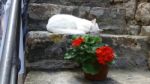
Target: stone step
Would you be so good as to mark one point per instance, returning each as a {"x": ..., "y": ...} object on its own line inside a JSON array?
[
  {"x": 145, "y": 30},
  {"x": 51, "y": 65},
  {"x": 77, "y": 77},
  {"x": 103, "y": 3},
  {"x": 112, "y": 20},
  {"x": 45, "y": 50}
]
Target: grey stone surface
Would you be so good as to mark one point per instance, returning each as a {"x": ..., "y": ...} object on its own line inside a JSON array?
[
  {"x": 134, "y": 29},
  {"x": 130, "y": 6},
  {"x": 101, "y": 3},
  {"x": 142, "y": 13},
  {"x": 112, "y": 15},
  {"x": 143, "y": 0},
  {"x": 50, "y": 64},
  {"x": 149, "y": 58},
  {"x": 112, "y": 20},
  {"x": 131, "y": 50},
  {"x": 118, "y": 1},
  {"x": 43, "y": 11},
  {"x": 77, "y": 77},
  {"x": 44, "y": 45},
  {"x": 145, "y": 31},
  {"x": 132, "y": 22}
]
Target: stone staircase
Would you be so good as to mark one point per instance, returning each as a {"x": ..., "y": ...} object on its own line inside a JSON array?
[
  {"x": 124, "y": 30},
  {"x": 113, "y": 22}
]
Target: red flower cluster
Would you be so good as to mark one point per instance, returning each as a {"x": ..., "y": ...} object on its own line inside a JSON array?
[
  {"x": 77, "y": 42},
  {"x": 105, "y": 54}
]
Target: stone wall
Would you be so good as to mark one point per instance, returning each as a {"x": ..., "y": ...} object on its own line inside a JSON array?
[
  {"x": 127, "y": 20},
  {"x": 114, "y": 20},
  {"x": 114, "y": 16}
]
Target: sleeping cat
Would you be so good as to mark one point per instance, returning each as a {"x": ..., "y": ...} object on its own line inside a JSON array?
[{"x": 68, "y": 24}]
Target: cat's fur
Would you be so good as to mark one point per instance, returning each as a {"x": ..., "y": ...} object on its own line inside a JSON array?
[{"x": 68, "y": 24}]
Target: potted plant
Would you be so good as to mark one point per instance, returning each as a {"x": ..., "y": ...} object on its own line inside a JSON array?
[{"x": 93, "y": 56}]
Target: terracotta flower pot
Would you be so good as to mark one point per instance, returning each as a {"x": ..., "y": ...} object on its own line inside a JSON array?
[{"x": 101, "y": 75}]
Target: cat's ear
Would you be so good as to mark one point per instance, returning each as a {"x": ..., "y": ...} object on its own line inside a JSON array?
[{"x": 94, "y": 21}]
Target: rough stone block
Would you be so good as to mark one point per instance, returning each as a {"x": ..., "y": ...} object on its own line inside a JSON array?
[
  {"x": 35, "y": 25},
  {"x": 83, "y": 11},
  {"x": 131, "y": 50},
  {"x": 43, "y": 11},
  {"x": 110, "y": 18},
  {"x": 134, "y": 29},
  {"x": 73, "y": 10},
  {"x": 130, "y": 6},
  {"x": 145, "y": 31},
  {"x": 132, "y": 22},
  {"x": 143, "y": 14}
]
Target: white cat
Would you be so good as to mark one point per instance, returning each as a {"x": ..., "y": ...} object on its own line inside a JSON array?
[{"x": 68, "y": 24}]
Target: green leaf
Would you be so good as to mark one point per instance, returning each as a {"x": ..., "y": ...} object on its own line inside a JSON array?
[
  {"x": 94, "y": 49},
  {"x": 86, "y": 38},
  {"x": 69, "y": 56},
  {"x": 96, "y": 39},
  {"x": 90, "y": 68},
  {"x": 100, "y": 44},
  {"x": 74, "y": 36}
]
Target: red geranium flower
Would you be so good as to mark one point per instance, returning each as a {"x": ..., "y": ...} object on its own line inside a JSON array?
[
  {"x": 105, "y": 54},
  {"x": 77, "y": 42}
]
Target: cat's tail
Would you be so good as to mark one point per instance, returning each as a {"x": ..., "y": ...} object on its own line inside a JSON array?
[{"x": 65, "y": 31}]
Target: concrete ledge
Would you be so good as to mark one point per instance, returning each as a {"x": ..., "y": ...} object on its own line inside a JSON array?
[{"x": 77, "y": 77}]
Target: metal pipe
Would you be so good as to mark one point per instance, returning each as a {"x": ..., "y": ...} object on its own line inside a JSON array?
[
  {"x": 15, "y": 62},
  {"x": 14, "y": 74},
  {"x": 15, "y": 59},
  {"x": 9, "y": 41}
]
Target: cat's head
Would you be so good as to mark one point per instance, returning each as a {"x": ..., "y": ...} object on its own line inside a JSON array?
[{"x": 95, "y": 27}]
